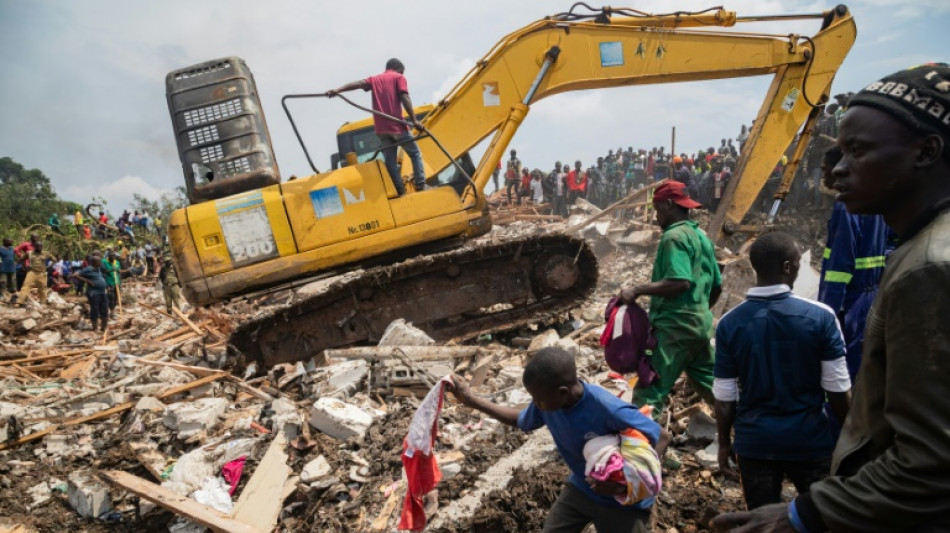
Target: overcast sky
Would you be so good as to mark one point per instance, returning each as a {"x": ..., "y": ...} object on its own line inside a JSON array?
[{"x": 82, "y": 89}]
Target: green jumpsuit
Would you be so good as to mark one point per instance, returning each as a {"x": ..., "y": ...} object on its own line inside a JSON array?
[{"x": 683, "y": 324}]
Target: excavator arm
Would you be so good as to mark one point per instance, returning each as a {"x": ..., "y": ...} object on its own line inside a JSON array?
[{"x": 617, "y": 48}]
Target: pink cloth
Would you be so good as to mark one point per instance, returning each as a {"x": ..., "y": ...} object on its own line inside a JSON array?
[
  {"x": 612, "y": 471},
  {"x": 387, "y": 88},
  {"x": 232, "y": 473}
]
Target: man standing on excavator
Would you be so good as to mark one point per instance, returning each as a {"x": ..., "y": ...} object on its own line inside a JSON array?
[{"x": 390, "y": 89}]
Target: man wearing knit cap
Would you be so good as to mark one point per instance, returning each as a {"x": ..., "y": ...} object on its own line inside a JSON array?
[
  {"x": 684, "y": 285},
  {"x": 891, "y": 466}
]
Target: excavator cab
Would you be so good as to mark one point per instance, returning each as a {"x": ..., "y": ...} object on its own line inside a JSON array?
[{"x": 359, "y": 138}]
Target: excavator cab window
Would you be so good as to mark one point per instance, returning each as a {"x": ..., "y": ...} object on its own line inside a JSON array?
[{"x": 360, "y": 138}]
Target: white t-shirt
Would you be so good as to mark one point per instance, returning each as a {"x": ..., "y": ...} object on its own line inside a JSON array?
[{"x": 537, "y": 192}]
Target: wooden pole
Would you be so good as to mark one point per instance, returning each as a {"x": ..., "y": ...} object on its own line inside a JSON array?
[{"x": 616, "y": 205}]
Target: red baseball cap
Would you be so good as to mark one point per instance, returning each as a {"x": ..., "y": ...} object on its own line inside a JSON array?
[{"x": 676, "y": 191}]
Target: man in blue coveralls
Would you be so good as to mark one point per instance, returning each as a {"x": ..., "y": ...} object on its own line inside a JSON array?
[{"x": 852, "y": 266}]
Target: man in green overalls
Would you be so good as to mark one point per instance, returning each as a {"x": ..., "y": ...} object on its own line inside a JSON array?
[{"x": 685, "y": 284}]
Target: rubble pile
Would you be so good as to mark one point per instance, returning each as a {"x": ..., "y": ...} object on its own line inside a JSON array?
[{"x": 154, "y": 425}]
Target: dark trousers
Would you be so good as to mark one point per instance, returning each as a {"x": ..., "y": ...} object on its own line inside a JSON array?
[
  {"x": 512, "y": 185},
  {"x": 113, "y": 296},
  {"x": 98, "y": 305},
  {"x": 573, "y": 511},
  {"x": 762, "y": 478},
  {"x": 8, "y": 280}
]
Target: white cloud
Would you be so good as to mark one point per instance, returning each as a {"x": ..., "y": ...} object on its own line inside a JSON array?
[
  {"x": 458, "y": 68},
  {"x": 118, "y": 194}
]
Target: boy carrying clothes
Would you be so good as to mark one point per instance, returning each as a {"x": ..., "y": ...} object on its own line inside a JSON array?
[
  {"x": 576, "y": 413},
  {"x": 95, "y": 292}
]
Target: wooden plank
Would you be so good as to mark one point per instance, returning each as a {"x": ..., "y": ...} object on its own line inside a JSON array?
[
  {"x": 27, "y": 373},
  {"x": 180, "y": 505},
  {"x": 200, "y": 371},
  {"x": 381, "y": 523},
  {"x": 415, "y": 353},
  {"x": 28, "y": 360},
  {"x": 196, "y": 370},
  {"x": 188, "y": 322},
  {"x": 171, "y": 334},
  {"x": 614, "y": 206},
  {"x": 108, "y": 412},
  {"x": 78, "y": 369},
  {"x": 262, "y": 498}
]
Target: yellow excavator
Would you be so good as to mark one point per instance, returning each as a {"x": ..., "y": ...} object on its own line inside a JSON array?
[{"x": 246, "y": 231}]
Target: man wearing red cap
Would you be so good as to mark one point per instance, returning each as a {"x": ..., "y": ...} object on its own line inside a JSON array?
[{"x": 685, "y": 284}]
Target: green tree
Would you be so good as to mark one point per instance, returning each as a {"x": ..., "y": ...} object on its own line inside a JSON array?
[{"x": 27, "y": 197}]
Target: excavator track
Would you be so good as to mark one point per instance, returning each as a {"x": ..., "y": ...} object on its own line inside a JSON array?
[{"x": 461, "y": 293}]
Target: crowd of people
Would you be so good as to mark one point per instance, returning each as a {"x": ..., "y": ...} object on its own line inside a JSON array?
[
  {"x": 620, "y": 172},
  {"x": 104, "y": 226},
  {"x": 98, "y": 275}
]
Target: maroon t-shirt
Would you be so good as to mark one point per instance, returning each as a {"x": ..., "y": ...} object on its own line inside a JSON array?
[{"x": 386, "y": 88}]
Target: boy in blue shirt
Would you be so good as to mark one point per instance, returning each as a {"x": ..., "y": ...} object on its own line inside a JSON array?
[
  {"x": 95, "y": 292},
  {"x": 574, "y": 413},
  {"x": 777, "y": 357}
]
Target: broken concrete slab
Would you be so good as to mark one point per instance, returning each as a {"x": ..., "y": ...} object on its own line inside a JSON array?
[
  {"x": 150, "y": 403},
  {"x": 49, "y": 338},
  {"x": 341, "y": 420},
  {"x": 27, "y": 324},
  {"x": 644, "y": 240},
  {"x": 517, "y": 398},
  {"x": 286, "y": 417},
  {"x": 87, "y": 495},
  {"x": 544, "y": 340},
  {"x": 708, "y": 458},
  {"x": 701, "y": 426},
  {"x": 59, "y": 444},
  {"x": 315, "y": 470},
  {"x": 190, "y": 418},
  {"x": 402, "y": 333},
  {"x": 569, "y": 346},
  {"x": 346, "y": 377}
]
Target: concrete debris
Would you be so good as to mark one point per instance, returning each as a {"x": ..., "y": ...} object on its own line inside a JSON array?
[
  {"x": 345, "y": 377},
  {"x": 87, "y": 495},
  {"x": 27, "y": 324},
  {"x": 49, "y": 338},
  {"x": 341, "y": 420},
  {"x": 149, "y": 403},
  {"x": 286, "y": 417},
  {"x": 643, "y": 240},
  {"x": 402, "y": 333},
  {"x": 545, "y": 340},
  {"x": 701, "y": 426},
  {"x": 708, "y": 457},
  {"x": 315, "y": 470},
  {"x": 190, "y": 418}
]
